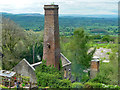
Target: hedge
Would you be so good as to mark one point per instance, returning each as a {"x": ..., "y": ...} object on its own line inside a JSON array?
[{"x": 100, "y": 85}]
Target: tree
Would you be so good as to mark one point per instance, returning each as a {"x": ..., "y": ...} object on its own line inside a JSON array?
[
  {"x": 18, "y": 44},
  {"x": 77, "y": 52},
  {"x": 34, "y": 46},
  {"x": 12, "y": 34},
  {"x": 106, "y": 38}
]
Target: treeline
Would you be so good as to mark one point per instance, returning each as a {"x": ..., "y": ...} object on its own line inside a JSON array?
[
  {"x": 68, "y": 24},
  {"x": 103, "y": 38}
]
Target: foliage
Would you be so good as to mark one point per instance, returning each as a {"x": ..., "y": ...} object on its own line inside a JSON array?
[
  {"x": 100, "y": 85},
  {"x": 67, "y": 23},
  {"x": 12, "y": 34},
  {"x": 102, "y": 51},
  {"x": 77, "y": 85},
  {"x": 18, "y": 44},
  {"x": 25, "y": 79},
  {"x": 34, "y": 47},
  {"x": 1, "y": 86},
  {"x": 23, "y": 85},
  {"x": 108, "y": 71},
  {"x": 106, "y": 38},
  {"x": 60, "y": 64},
  {"x": 65, "y": 83},
  {"x": 75, "y": 48},
  {"x": 85, "y": 77},
  {"x": 52, "y": 3},
  {"x": 108, "y": 53},
  {"x": 49, "y": 76}
]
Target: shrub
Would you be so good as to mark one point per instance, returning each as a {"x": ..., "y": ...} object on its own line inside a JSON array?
[
  {"x": 1, "y": 86},
  {"x": 102, "y": 51},
  {"x": 25, "y": 79},
  {"x": 104, "y": 58},
  {"x": 92, "y": 85},
  {"x": 49, "y": 76},
  {"x": 98, "y": 47},
  {"x": 23, "y": 85},
  {"x": 65, "y": 83},
  {"x": 108, "y": 53},
  {"x": 52, "y": 81},
  {"x": 85, "y": 77},
  {"x": 77, "y": 85},
  {"x": 104, "y": 46},
  {"x": 100, "y": 85}
]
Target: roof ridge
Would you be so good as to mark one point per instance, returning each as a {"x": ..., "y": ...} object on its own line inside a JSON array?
[
  {"x": 36, "y": 63},
  {"x": 29, "y": 64}
]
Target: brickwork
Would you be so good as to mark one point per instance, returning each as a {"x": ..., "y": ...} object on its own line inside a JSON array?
[
  {"x": 51, "y": 49},
  {"x": 94, "y": 68},
  {"x": 95, "y": 65}
]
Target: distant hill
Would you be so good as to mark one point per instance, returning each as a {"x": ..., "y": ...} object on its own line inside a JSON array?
[
  {"x": 24, "y": 14},
  {"x": 67, "y": 23},
  {"x": 95, "y": 16}
]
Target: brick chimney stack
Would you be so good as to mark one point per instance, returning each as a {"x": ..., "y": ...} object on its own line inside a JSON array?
[
  {"x": 51, "y": 49},
  {"x": 94, "y": 68}
]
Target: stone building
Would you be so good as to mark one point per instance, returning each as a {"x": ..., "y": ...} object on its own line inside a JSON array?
[{"x": 27, "y": 69}]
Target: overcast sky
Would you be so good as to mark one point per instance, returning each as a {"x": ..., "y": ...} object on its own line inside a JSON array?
[{"x": 83, "y": 7}]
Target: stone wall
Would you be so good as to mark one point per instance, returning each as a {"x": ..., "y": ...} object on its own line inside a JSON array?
[
  {"x": 25, "y": 69},
  {"x": 66, "y": 66}
]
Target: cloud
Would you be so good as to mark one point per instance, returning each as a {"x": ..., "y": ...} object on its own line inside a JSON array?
[{"x": 66, "y": 6}]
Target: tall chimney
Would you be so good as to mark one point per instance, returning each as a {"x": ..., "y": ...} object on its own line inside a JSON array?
[
  {"x": 51, "y": 49},
  {"x": 94, "y": 68}
]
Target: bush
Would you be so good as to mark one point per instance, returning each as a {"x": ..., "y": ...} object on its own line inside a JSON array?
[
  {"x": 108, "y": 53},
  {"x": 23, "y": 85},
  {"x": 65, "y": 83},
  {"x": 52, "y": 81},
  {"x": 92, "y": 85},
  {"x": 102, "y": 51},
  {"x": 77, "y": 85},
  {"x": 104, "y": 46},
  {"x": 85, "y": 77},
  {"x": 25, "y": 79},
  {"x": 1, "y": 86},
  {"x": 98, "y": 47},
  {"x": 49, "y": 76},
  {"x": 44, "y": 79},
  {"x": 100, "y": 85}
]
